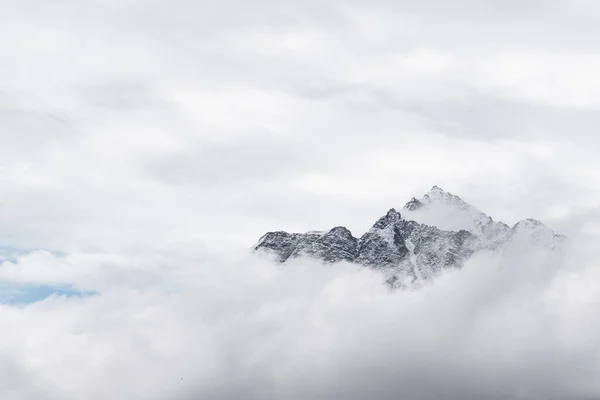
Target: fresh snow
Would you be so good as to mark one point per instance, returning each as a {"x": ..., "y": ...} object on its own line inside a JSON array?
[
  {"x": 436, "y": 232},
  {"x": 413, "y": 259}
]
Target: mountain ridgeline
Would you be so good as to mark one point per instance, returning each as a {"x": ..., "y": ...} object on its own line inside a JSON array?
[{"x": 448, "y": 233}]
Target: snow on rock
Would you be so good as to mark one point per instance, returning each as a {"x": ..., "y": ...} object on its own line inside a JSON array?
[
  {"x": 436, "y": 232},
  {"x": 531, "y": 231},
  {"x": 383, "y": 245},
  {"x": 336, "y": 245},
  {"x": 449, "y": 212}
]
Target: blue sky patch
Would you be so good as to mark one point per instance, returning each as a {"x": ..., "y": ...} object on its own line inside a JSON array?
[{"x": 15, "y": 294}]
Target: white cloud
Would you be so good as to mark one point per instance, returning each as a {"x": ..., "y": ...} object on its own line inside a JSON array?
[
  {"x": 139, "y": 138},
  {"x": 566, "y": 79},
  {"x": 240, "y": 326},
  {"x": 147, "y": 124}
]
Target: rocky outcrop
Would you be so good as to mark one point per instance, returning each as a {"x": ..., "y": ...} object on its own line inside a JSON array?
[{"x": 408, "y": 248}]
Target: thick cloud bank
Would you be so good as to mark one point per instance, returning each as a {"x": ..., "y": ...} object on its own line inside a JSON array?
[
  {"x": 239, "y": 326},
  {"x": 137, "y": 137}
]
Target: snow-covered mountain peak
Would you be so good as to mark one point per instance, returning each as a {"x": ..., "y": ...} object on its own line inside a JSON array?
[
  {"x": 448, "y": 211},
  {"x": 535, "y": 232},
  {"x": 530, "y": 223},
  {"x": 392, "y": 212},
  {"x": 436, "y": 232},
  {"x": 392, "y": 217},
  {"x": 340, "y": 231},
  {"x": 438, "y": 195}
]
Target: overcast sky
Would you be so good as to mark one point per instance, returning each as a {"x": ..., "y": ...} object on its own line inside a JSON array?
[
  {"x": 129, "y": 122},
  {"x": 138, "y": 138}
]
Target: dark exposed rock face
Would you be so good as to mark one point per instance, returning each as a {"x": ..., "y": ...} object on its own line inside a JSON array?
[
  {"x": 413, "y": 204},
  {"x": 406, "y": 248},
  {"x": 336, "y": 245},
  {"x": 284, "y": 244},
  {"x": 384, "y": 245},
  {"x": 436, "y": 250}
]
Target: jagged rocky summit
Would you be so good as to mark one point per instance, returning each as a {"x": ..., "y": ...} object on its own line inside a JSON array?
[{"x": 436, "y": 232}]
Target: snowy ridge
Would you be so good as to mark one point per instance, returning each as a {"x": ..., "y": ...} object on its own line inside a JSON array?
[
  {"x": 450, "y": 212},
  {"x": 533, "y": 231},
  {"x": 435, "y": 232}
]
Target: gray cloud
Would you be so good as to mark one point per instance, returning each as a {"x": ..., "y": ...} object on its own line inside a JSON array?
[
  {"x": 122, "y": 96},
  {"x": 245, "y": 162}
]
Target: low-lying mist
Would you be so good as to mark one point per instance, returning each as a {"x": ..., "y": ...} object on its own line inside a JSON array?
[{"x": 520, "y": 326}]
